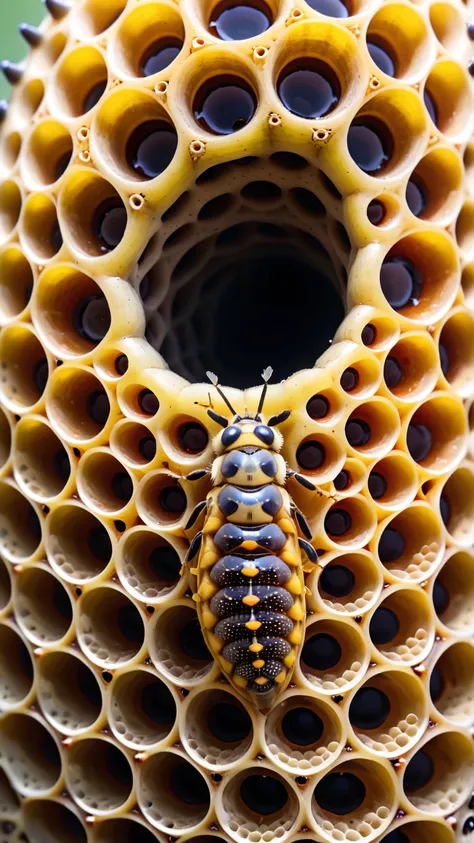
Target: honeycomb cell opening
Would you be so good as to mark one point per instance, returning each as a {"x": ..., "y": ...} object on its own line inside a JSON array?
[
  {"x": 41, "y": 463},
  {"x": 30, "y": 754},
  {"x": 142, "y": 709},
  {"x": 177, "y": 646},
  {"x": 16, "y": 668},
  {"x": 197, "y": 279},
  {"x": 438, "y": 776},
  {"x": 389, "y": 713},
  {"x": 68, "y": 692},
  {"x": 218, "y": 730},
  {"x": 172, "y": 793},
  {"x": 303, "y": 734},
  {"x": 78, "y": 545},
  {"x": 125, "y": 830},
  {"x": 110, "y": 628},
  {"x": 452, "y": 683},
  {"x": 44, "y": 609},
  {"x": 51, "y": 820},
  {"x": 402, "y": 627},
  {"x": 20, "y": 527},
  {"x": 366, "y": 806},
  {"x": 5, "y": 586},
  {"x": 258, "y": 804},
  {"x": 457, "y": 579},
  {"x": 99, "y": 775},
  {"x": 149, "y": 564},
  {"x": 16, "y": 283}
]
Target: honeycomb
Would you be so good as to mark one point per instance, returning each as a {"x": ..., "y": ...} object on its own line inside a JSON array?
[{"x": 187, "y": 186}]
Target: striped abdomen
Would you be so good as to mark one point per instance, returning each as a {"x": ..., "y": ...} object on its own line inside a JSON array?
[{"x": 253, "y": 605}]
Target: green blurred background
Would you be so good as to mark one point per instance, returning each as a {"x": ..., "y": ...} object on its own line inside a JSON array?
[{"x": 12, "y": 46}]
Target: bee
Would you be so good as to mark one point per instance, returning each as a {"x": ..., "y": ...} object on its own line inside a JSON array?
[{"x": 252, "y": 553}]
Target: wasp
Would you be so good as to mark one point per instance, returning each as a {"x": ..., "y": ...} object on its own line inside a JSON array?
[{"x": 252, "y": 553}]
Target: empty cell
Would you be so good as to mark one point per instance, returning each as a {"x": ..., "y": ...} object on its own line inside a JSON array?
[
  {"x": 24, "y": 368},
  {"x": 172, "y": 793},
  {"x": 224, "y": 104},
  {"x": 81, "y": 79},
  {"x": 387, "y": 133},
  {"x": 50, "y": 149},
  {"x": 451, "y": 683},
  {"x": 139, "y": 401},
  {"x": 349, "y": 583},
  {"x": 93, "y": 214},
  {"x": 162, "y": 500},
  {"x": 453, "y": 590},
  {"x": 217, "y": 730},
  {"x": 177, "y": 646},
  {"x": 95, "y": 17},
  {"x": 53, "y": 822},
  {"x": 144, "y": 140},
  {"x": 20, "y": 525},
  {"x": 389, "y": 713},
  {"x": 110, "y": 627},
  {"x": 40, "y": 228},
  {"x": 16, "y": 282},
  {"x": 125, "y": 830},
  {"x": 303, "y": 734},
  {"x": 393, "y": 481},
  {"x": 258, "y": 797},
  {"x": 32, "y": 759},
  {"x": 433, "y": 191},
  {"x": 69, "y": 692},
  {"x": 456, "y": 351},
  {"x": 356, "y": 794},
  {"x": 43, "y": 606},
  {"x": 147, "y": 40},
  {"x": 133, "y": 443},
  {"x": 98, "y": 775},
  {"x": 5, "y": 586},
  {"x": 402, "y": 626},
  {"x": 78, "y": 545},
  {"x": 437, "y": 776},
  {"x": 435, "y": 433},
  {"x": 350, "y": 523},
  {"x": 42, "y": 463},
  {"x": 10, "y": 207},
  {"x": 103, "y": 482},
  {"x": 149, "y": 564},
  {"x": 448, "y": 98},
  {"x": 71, "y": 312},
  {"x": 79, "y": 405},
  {"x": 333, "y": 656},
  {"x": 16, "y": 668},
  {"x": 398, "y": 41},
  {"x": 373, "y": 427},
  {"x": 142, "y": 709}
]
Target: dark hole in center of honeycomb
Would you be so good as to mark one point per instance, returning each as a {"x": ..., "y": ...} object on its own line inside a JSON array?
[{"x": 256, "y": 300}]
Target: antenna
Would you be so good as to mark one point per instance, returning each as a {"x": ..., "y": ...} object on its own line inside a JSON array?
[
  {"x": 266, "y": 375},
  {"x": 215, "y": 382}
]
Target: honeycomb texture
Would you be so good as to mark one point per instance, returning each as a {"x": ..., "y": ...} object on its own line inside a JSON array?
[{"x": 105, "y": 703}]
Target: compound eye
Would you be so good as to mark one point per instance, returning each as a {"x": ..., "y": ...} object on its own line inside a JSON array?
[
  {"x": 264, "y": 433},
  {"x": 230, "y": 435}
]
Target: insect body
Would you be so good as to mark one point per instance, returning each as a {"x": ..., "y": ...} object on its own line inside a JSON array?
[{"x": 249, "y": 578}]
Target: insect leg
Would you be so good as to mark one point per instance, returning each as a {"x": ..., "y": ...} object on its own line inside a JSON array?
[
  {"x": 303, "y": 524},
  {"x": 308, "y": 549},
  {"x": 197, "y": 475},
  {"x": 194, "y": 547},
  {"x": 303, "y": 481},
  {"x": 195, "y": 514}
]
